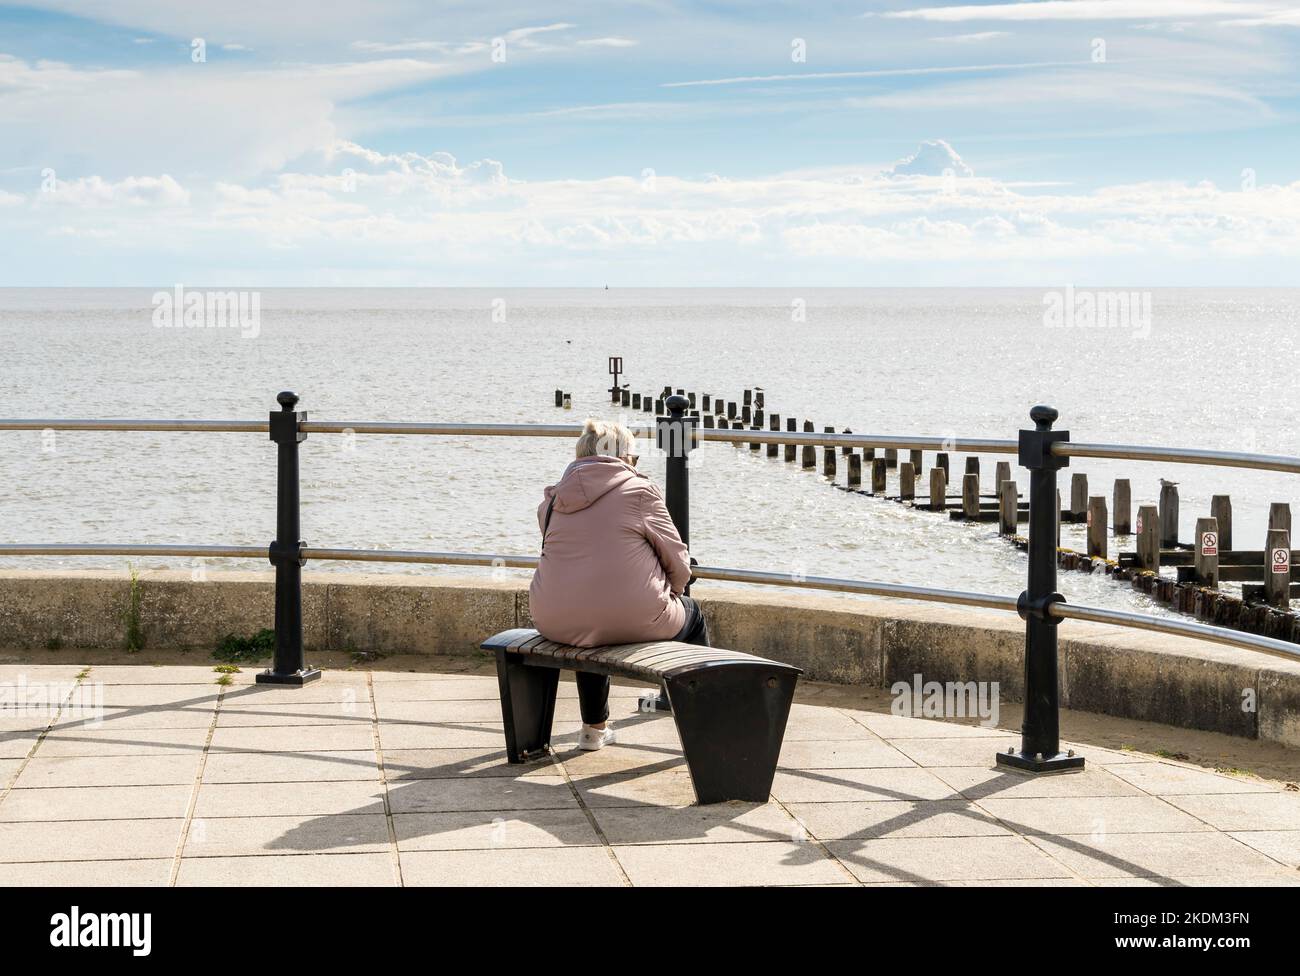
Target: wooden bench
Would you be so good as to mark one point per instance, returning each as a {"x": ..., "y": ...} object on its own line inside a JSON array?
[{"x": 730, "y": 708}]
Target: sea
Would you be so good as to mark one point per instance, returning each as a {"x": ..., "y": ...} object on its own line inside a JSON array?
[{"x": 1196, "y": 368}]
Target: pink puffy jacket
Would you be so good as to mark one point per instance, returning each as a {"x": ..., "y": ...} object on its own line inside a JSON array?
[{"x": 613, "y": 565}]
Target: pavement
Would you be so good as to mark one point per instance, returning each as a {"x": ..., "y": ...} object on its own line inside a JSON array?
[{"x": 158, "y": 775}]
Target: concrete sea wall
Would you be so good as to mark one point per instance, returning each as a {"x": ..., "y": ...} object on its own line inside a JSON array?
[{"x": 1111, "y": 670}]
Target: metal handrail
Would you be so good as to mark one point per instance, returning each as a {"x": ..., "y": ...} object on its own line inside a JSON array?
[
  {"x": 989, "y": 601},
  {"x": 732, "y": 435}
]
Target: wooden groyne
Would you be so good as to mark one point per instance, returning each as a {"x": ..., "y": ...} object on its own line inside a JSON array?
[{"x": 1269, "y": 577}]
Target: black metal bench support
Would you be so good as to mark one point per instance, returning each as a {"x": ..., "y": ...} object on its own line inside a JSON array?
[
  {"x": 731, "y": 724},
  {"x": 527, "y": 705}
]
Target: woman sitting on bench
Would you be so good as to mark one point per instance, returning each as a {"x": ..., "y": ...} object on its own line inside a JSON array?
[{"x": 613, "y": 568}]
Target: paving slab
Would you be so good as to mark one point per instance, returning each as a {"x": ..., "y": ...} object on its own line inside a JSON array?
[
  {"x": 138, "y": 717},
  {"x": 1244, "y": 811},
  {"x": 89, "y": 840},
  {"x": 1163, "y": 856},
  {"x": 293, "y": 738},
  {"x": 259, "y": 714},
  {"x": 299, "y": 767},
  {"x": 96, "y": 803},
  {"x": 562, "y": 866},
  {"x": 109, "y": 771},
  {"x": 1168, "y": 779},
  {"x": 494, "y": 830},
  {"x": 945, "y": 859},
  {"x": 1282, "y": 846},
  {"x": 754, "y": 863},
  {"x": 976, "y": 783},
  {"x": 150, "y": 873},
  {"x": 287, "y": 799},
  {"x": 861, "y": 753},
  {"x": 122, "y": 742},
  {"x": 671, "y": 788},
  {"x": 446, "y": 735},
  {"x": 732, "y": 822},
  {"x": 829, "y": 785},
  {"x": 362, "y": 833},
  {"x": 404, "y": 764},
  {"x": 490, "y": 793},
  {"x": 896, "y": 818},
  {"x": 1090, "y": 815},
  {"x": 290, "y": 870}
]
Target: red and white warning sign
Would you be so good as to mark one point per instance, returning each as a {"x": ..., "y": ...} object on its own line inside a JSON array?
[
  {"x": 1281, "y": 560},
  {"x": 1209, "y": 543}
]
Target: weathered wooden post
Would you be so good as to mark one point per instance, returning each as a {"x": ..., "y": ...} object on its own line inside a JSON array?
[
  {"x": 559, "y": 398},
  {"x": 636, "y": 401},
  {"x": 1122, "y": 499},
  {"x": 1097, "y": 525},
  {"x": 659, "y": 406},
  {"x": 828, "y": 457},
  {"x": 1221, "y": 512},
  {"x": 970, "y": 496},
  {"x": 1008, "y": 507},
  {"x": 1279, "y": 516},
  {"x": 1078, "y": 496},
  {"x": 879, "y": 469},
  {"x": 790, "y": 427},
  {"x": 705, "y": 401},
  {"x": 747, "y": 414},
  {"x": 938, "y": 489},
  {"x": 285, "y": 553},
  {"x": 758, "y": 418},
  {"x": 1001, "y": 475},
  {"x": 731, "y": 409},
  {"x": 625, "y": 397},
  {"x": 690, "y": 397},
  {"x": 1207, "y": 551},
  {"x": 1148, "y": 538},
  {"x": 708, "y": 420},
  {"x": 568, "y": 401},
  {"x": 1040, "y": 746},
  {"x": 809, "y": 451},
  {"x": 774, "y": 425},
  {"x": 854, "y": 474},
  {"x": 1168, "y": 514},
  {"x": 906, "y": 482},
  {"x": 722, "y": 424},
  {"x": 973, "y": 465},
  {"x": 754, "y": 445},
  {"x": 647, "y": 402},
  {"x": 846, "y": 450},
  {"x": 1277, "y": 569},
  {"x": 917, "y": 459},
  {"x": 941, "y": 459},
  {"x": 891, "y": 457}
]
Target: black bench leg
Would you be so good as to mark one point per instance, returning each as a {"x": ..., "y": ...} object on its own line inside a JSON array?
[
  {"x": 527, "y": 706},
  {"x": 731, "y": 720}
]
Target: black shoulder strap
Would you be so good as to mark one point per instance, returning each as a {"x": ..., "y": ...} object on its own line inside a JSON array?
[{"x": 546, "y": 524}]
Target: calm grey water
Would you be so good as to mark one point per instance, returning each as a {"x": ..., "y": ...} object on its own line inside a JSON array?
[{"x": 1211, "y": 372}]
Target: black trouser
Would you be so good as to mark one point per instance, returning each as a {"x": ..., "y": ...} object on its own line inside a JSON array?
[{"x": 593, "y": 689}]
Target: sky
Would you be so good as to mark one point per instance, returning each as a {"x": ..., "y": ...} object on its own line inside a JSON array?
[{"x": 1136, "y": 143}]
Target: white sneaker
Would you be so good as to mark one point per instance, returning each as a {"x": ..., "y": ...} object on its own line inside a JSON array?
[{"x": 592, "y": 739}]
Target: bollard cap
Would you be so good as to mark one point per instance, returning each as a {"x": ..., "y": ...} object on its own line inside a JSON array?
[
  {"x": 287, "y": 399},
  {"x": 676, "y": 403},
  {"x": 1044, "y": 416}
]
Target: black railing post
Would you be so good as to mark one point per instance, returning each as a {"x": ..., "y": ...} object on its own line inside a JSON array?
[
  {"x": 286, "y": 551},
  {"x": 1040, "y": 745},
  {"x": 676, "y": 437}
]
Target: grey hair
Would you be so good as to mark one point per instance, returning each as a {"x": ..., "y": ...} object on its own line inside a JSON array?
[{"x": 600, "y": 437}]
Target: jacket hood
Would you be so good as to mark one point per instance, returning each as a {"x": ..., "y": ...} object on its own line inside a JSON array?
[{"x": 587, "y": 480}]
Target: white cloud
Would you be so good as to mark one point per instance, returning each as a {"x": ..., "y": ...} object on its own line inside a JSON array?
[
  {"x": 1042, "y": 10},
  {"x": 608, "y": 42},
  {"x": 394, "y": 217},
  {"x": 976, "y": 38},
  {"x": 932, "y": 158},
  {"x": 875, "y": 73}
]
